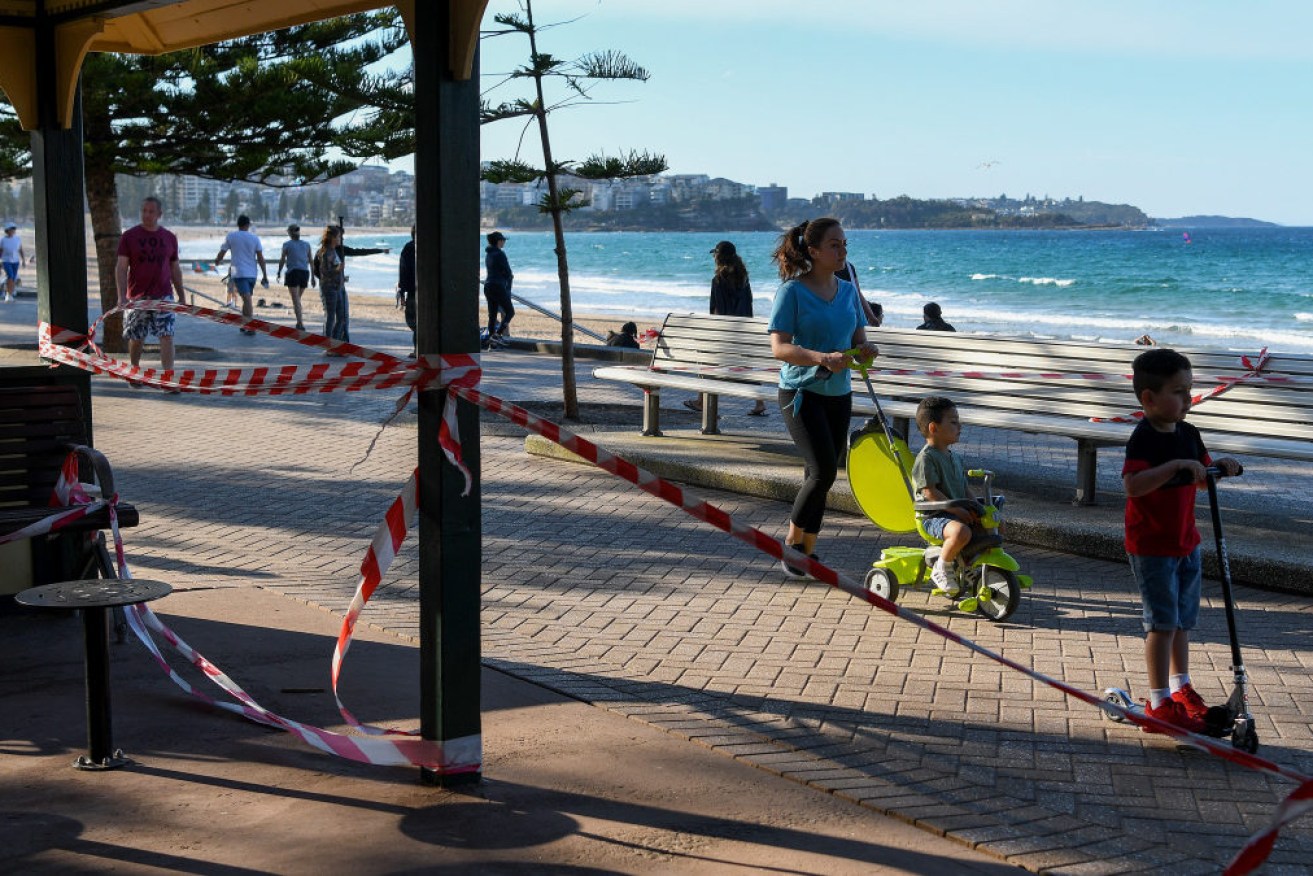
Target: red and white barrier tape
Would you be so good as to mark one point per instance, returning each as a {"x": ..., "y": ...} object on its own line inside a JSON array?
[
  {"x": 451, "y": 756},
  {"x": 392, "y": 531},
  {"x": 1253, "y": 372},
  {"x": 706, "y": 512},
  {"x": 1223, "y": 382},
  {"x": 876, "y": 371}
]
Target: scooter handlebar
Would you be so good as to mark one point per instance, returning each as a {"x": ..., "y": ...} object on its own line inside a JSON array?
[
  {"x": 1183, "y": 478},
  {"x": 1218, "y": 473}
]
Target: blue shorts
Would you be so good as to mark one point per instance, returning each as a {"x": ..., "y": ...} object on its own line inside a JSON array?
[
  {"x": 11, "y": 270},
  {"x": 244, "y": 285},
  {"x": 934, "y": 526},
  {"x": 1169, "y": 590}
]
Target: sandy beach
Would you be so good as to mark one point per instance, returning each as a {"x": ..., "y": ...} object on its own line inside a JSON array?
[
  {"x": 277, "y": 301},
  {"x": 278, "y": 308}
]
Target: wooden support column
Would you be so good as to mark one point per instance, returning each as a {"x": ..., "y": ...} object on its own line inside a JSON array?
[
  {"x": 59, "y": 191},
  {"x": 447, "y": 281}
]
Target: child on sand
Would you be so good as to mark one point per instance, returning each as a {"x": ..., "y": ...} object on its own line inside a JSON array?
[
  {"x": 938, "y": 476},
  {"x": 1165, "y": 459}
]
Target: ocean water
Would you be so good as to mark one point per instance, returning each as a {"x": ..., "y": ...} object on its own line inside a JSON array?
[{"x": 1222, "y": 288}]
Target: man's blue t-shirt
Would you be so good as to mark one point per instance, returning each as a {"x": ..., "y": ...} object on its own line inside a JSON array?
[{"x": 819, "y": 325}]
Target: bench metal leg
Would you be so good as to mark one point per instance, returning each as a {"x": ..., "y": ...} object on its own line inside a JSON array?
[
  {"x": 652, "y": 412},
  {"x": 1087, "y": 461},
  {"x": 710, "y": 414}
]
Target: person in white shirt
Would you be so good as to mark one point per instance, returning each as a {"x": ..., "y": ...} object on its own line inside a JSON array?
[
  {"x": 12, "y": 257},
  {"x": 248, "y": 254}
]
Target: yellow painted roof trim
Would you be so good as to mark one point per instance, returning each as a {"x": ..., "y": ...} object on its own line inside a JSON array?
[
  {"x": 186, "y": 24},
  {"x": 18, "y": 67}
]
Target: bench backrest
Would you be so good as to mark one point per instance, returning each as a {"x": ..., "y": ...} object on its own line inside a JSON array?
[
  {"x": 1078, "y": 379},
  {"x": 1059, "y": 378},
  {"x": 36, "y": 424},
  {"x": 694, "y": 340}
]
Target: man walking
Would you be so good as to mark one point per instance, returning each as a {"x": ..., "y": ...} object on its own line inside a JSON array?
[
  {"x": 247, "y": 255},
  {"x": 296, "y": 256},
  {"x": 147, "y": 267},
  {"x": 12, "y": 257}
]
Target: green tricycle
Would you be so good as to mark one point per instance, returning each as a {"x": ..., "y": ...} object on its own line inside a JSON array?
[{"x": 988, "y": 580}]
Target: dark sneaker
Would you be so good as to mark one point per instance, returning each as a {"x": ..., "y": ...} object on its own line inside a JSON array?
[
  {"x": 793, "y": 571},
  {"x": 1173, "y": 713},
  {"x": 817, "y": 559},
  {"x": 1193, "y": 704}
]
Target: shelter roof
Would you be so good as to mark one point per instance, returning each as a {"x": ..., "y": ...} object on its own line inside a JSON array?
[{"x": 152, "y": 27}]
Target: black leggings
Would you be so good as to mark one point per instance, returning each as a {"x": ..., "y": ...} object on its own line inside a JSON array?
[
  {"x": 820, "y": 431},
  {"x": 499, "y": 299}
]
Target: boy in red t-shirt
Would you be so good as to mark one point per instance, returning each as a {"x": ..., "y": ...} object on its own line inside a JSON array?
[{"x": 1165, "y": 459}]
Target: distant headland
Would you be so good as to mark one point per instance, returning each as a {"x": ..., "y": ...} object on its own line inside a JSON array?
[
  {"x": 1213, "y": 222},
  {"x": 701, "y": 204}
]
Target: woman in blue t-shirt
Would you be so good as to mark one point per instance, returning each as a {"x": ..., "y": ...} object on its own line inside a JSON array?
[{"x": 816, "y": 318}]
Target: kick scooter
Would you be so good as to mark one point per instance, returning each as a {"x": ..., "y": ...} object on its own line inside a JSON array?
[{"x": 1234, "y": 718}]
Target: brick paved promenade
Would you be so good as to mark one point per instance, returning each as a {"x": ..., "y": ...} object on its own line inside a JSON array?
[{"x": 602, "y": 592}]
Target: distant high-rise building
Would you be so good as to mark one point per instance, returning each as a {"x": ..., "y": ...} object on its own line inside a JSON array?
[{"x": 773, "y": 197}]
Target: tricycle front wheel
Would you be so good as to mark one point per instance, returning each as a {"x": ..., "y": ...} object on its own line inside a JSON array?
[{"x": 999, "y": 593}]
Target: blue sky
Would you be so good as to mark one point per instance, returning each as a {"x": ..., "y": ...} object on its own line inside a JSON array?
[{"x": 1176, "y": 108}]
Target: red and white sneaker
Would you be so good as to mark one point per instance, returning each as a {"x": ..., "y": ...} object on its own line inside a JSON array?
[
  {"x": 1173, "y": 713},
  {"x": 1193, "y": 704}
]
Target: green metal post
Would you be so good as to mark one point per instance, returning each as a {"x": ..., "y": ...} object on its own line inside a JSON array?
[{"x": 447, "y": 280}]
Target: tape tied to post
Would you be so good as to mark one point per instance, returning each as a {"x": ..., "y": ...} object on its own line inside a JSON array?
[{"x": 460, "y": 375}]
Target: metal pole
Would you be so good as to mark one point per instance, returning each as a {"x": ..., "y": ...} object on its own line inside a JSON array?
[
  {"x": 100, "y": 732},
  {"x": 543, "y": 310}
]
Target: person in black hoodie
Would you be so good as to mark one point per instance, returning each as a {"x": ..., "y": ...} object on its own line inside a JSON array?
[
  {"x": 731, "y": 295},
  {"x": 934, "y": 319},
  {"x": 497, "y": 289}
]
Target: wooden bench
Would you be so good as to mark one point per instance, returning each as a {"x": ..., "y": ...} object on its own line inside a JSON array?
[
  {"x": 42, "y": 418},
  {"x": 1060, "y": 388}
]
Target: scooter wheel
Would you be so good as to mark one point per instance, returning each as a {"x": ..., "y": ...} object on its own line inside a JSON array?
[
  {"x": 882, "y": 583},
  {"x": 1116, "y": 700},
  {"x": 999, "y": 593},
  {"x": 1245, "y": 737}
]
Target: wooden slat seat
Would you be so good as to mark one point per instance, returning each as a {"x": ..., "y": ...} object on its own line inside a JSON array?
[
  {"x": 1028, "y": 385},
  {"x": 40, "y": 424}
]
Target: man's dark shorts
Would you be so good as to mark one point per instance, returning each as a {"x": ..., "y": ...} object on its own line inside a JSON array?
[{"x": 297, "y": 279}]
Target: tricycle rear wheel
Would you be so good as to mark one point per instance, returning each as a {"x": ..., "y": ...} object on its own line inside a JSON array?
[{"x": 882, "y": 583}]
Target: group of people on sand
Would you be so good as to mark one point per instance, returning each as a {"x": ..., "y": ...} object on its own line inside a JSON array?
[
  {"x": 818, "y": 333},
  {"x": 147, "y": 267}
]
